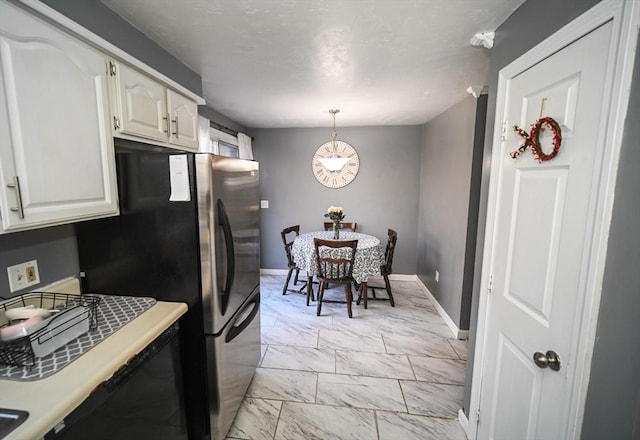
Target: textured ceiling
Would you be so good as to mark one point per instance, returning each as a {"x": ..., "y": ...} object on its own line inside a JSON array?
[{"x": 285, "y": 63}]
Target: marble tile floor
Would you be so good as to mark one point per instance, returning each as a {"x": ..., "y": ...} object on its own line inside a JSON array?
[{"x": 388, "y": 373}]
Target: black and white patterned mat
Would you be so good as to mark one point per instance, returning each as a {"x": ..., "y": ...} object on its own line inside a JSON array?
[{"x": 113, "y": 312}]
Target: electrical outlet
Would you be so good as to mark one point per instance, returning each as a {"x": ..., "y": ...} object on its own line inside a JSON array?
[
  {"x": 437, "y": 276},
  {"x": 23, "y": 275},
  {"x": 31, "y": 274}
]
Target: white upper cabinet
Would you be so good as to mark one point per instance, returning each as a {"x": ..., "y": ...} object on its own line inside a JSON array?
[
  {"x": 147, "y": 109},
  {"x": 183, "y": 114},
  {"x": 56, "y": 147},
  {"x": 140, "y": 104}
]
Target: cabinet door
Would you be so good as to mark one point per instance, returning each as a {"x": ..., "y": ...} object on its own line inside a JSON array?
[
  {"x": 184, "y": 120},
  {"x": 56, "y": 150},
  {"x": 141, "y": 104}
]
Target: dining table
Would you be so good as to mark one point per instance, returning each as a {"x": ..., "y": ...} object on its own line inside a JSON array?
[{"x": 368, "y": 259}]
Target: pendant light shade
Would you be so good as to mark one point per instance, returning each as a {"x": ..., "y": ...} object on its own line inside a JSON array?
[{"x": 334, "y": 163}]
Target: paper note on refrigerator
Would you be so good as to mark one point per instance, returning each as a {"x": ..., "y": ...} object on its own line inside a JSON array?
[{"x": 179, "y": 171}]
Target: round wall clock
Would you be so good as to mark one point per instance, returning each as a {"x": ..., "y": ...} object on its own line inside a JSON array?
[{"x": 335, "y": 164}]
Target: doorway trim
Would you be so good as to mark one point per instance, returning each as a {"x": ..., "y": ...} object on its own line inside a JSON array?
[{"x": 625, "y": 16}]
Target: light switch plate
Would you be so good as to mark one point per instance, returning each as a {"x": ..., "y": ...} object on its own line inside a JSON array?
[
  {"x": 23, "y": 275},
  {"x": 264, "y": 204}
]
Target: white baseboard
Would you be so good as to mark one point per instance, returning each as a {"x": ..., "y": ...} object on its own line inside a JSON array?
[
  {"x": 457, "y": 333},
  {"x": 274, "y": 271},
  {"x": 396, "y": 277},
  {"x": 402, "y": 277},
  {"x": 464, "y": 422}
]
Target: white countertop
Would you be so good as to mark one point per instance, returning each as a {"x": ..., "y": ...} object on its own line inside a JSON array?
[{"x": 51, "y": 399}]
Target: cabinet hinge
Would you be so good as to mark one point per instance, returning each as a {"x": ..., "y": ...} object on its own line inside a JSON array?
[
  {"x": 505, "y": 128},
  {"x": 477, "y": 416},
  {"x": 112, "y": 68},
  {"x": 490, "y": 287},
  {"x": 116, "y": 123}
]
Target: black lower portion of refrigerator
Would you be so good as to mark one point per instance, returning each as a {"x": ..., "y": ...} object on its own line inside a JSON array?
[
  {"x": 149, "y": 250},
  {"x": 154, "y": 249}
]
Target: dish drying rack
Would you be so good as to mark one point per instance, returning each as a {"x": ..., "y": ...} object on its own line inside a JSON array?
[{"x": 74, "y": 315}]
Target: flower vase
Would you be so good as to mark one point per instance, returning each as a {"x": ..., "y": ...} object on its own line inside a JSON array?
[{"x": 336, "y": 230}]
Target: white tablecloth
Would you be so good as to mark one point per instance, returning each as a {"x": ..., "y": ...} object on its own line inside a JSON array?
[{"x": 369, "y": 253}]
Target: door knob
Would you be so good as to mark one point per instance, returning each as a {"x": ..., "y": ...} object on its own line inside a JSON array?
[{"x": 549, "y": 359}]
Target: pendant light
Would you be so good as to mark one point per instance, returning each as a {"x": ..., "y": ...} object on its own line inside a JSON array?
[{"x": 335, "y": 162}]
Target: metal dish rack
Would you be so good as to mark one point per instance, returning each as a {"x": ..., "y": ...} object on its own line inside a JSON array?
[{"x": 77, "y": 315}]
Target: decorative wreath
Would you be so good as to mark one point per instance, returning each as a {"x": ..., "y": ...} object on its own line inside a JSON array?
[{"x": 532, "y": 139}]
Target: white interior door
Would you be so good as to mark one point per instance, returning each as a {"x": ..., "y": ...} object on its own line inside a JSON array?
[{"x": 540, "y": 242}]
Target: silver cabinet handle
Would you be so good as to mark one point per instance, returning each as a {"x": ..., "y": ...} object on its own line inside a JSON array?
[
  {"x": 16, "y": 185},
  {"x": 176, "y": 122},
  {"x": 166, "y": 119}
]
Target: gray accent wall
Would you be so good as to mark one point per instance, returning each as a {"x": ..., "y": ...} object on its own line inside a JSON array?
[
  {"x": 54, "y": 249},
  {"x": 448, "y": 205},
  {"x": 613, "y": 398},
  {"x": 220, "y": 119},
  {"x": 383, "y": 195}
]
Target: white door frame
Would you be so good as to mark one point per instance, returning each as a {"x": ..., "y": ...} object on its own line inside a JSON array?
[{"x": 625, "y": 17}]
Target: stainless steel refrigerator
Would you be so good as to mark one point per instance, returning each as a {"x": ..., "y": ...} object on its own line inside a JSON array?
[{"x": 188, "y": 231}]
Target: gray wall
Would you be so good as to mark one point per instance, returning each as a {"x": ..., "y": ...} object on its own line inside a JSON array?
[
  {"x": 220, "y": 119},
  {"x": 612, "y": 407},
  {"x": 613, "y": 398},
  {"x": 55, "y": 247},
  {"x": 472, "y": 219},
  {"x": 447, "y": 155},
  {"x": 102, "y": 21},
  {"x": 382, "y": 196}
]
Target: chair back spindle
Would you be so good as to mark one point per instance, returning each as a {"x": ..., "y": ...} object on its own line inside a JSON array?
[
  {"x": 385, "y": 271},
  {"x": 288, "y": 236},
  {"x": 389, "y": 250},
  {"x": 334, "y": 262}
]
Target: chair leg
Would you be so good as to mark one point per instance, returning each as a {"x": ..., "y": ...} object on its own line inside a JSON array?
[
  {"x": 349, "y": 297},
  {"x": 320, "y": 295},
  {"x": 295, "y": 279},
  {"x": 388, "y": 287},
  {"x": 363, "y": 293},
  {"x": 310, "y": 290},
  {"x": 286, "y": 283},
  {"x": 363, "y": 288}
]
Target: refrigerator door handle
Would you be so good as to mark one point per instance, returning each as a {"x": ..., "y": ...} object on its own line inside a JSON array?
[
  {"x": 245, "y": 318},
  {"x": 223, "y": 221}
]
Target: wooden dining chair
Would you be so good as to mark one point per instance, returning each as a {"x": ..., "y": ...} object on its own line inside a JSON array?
[
  {"x": 288, "y": 236},
  {"x": 335, "y": 269},
  {"x": 328, "y": 226},
  {"x": 385, "y": 271}
]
